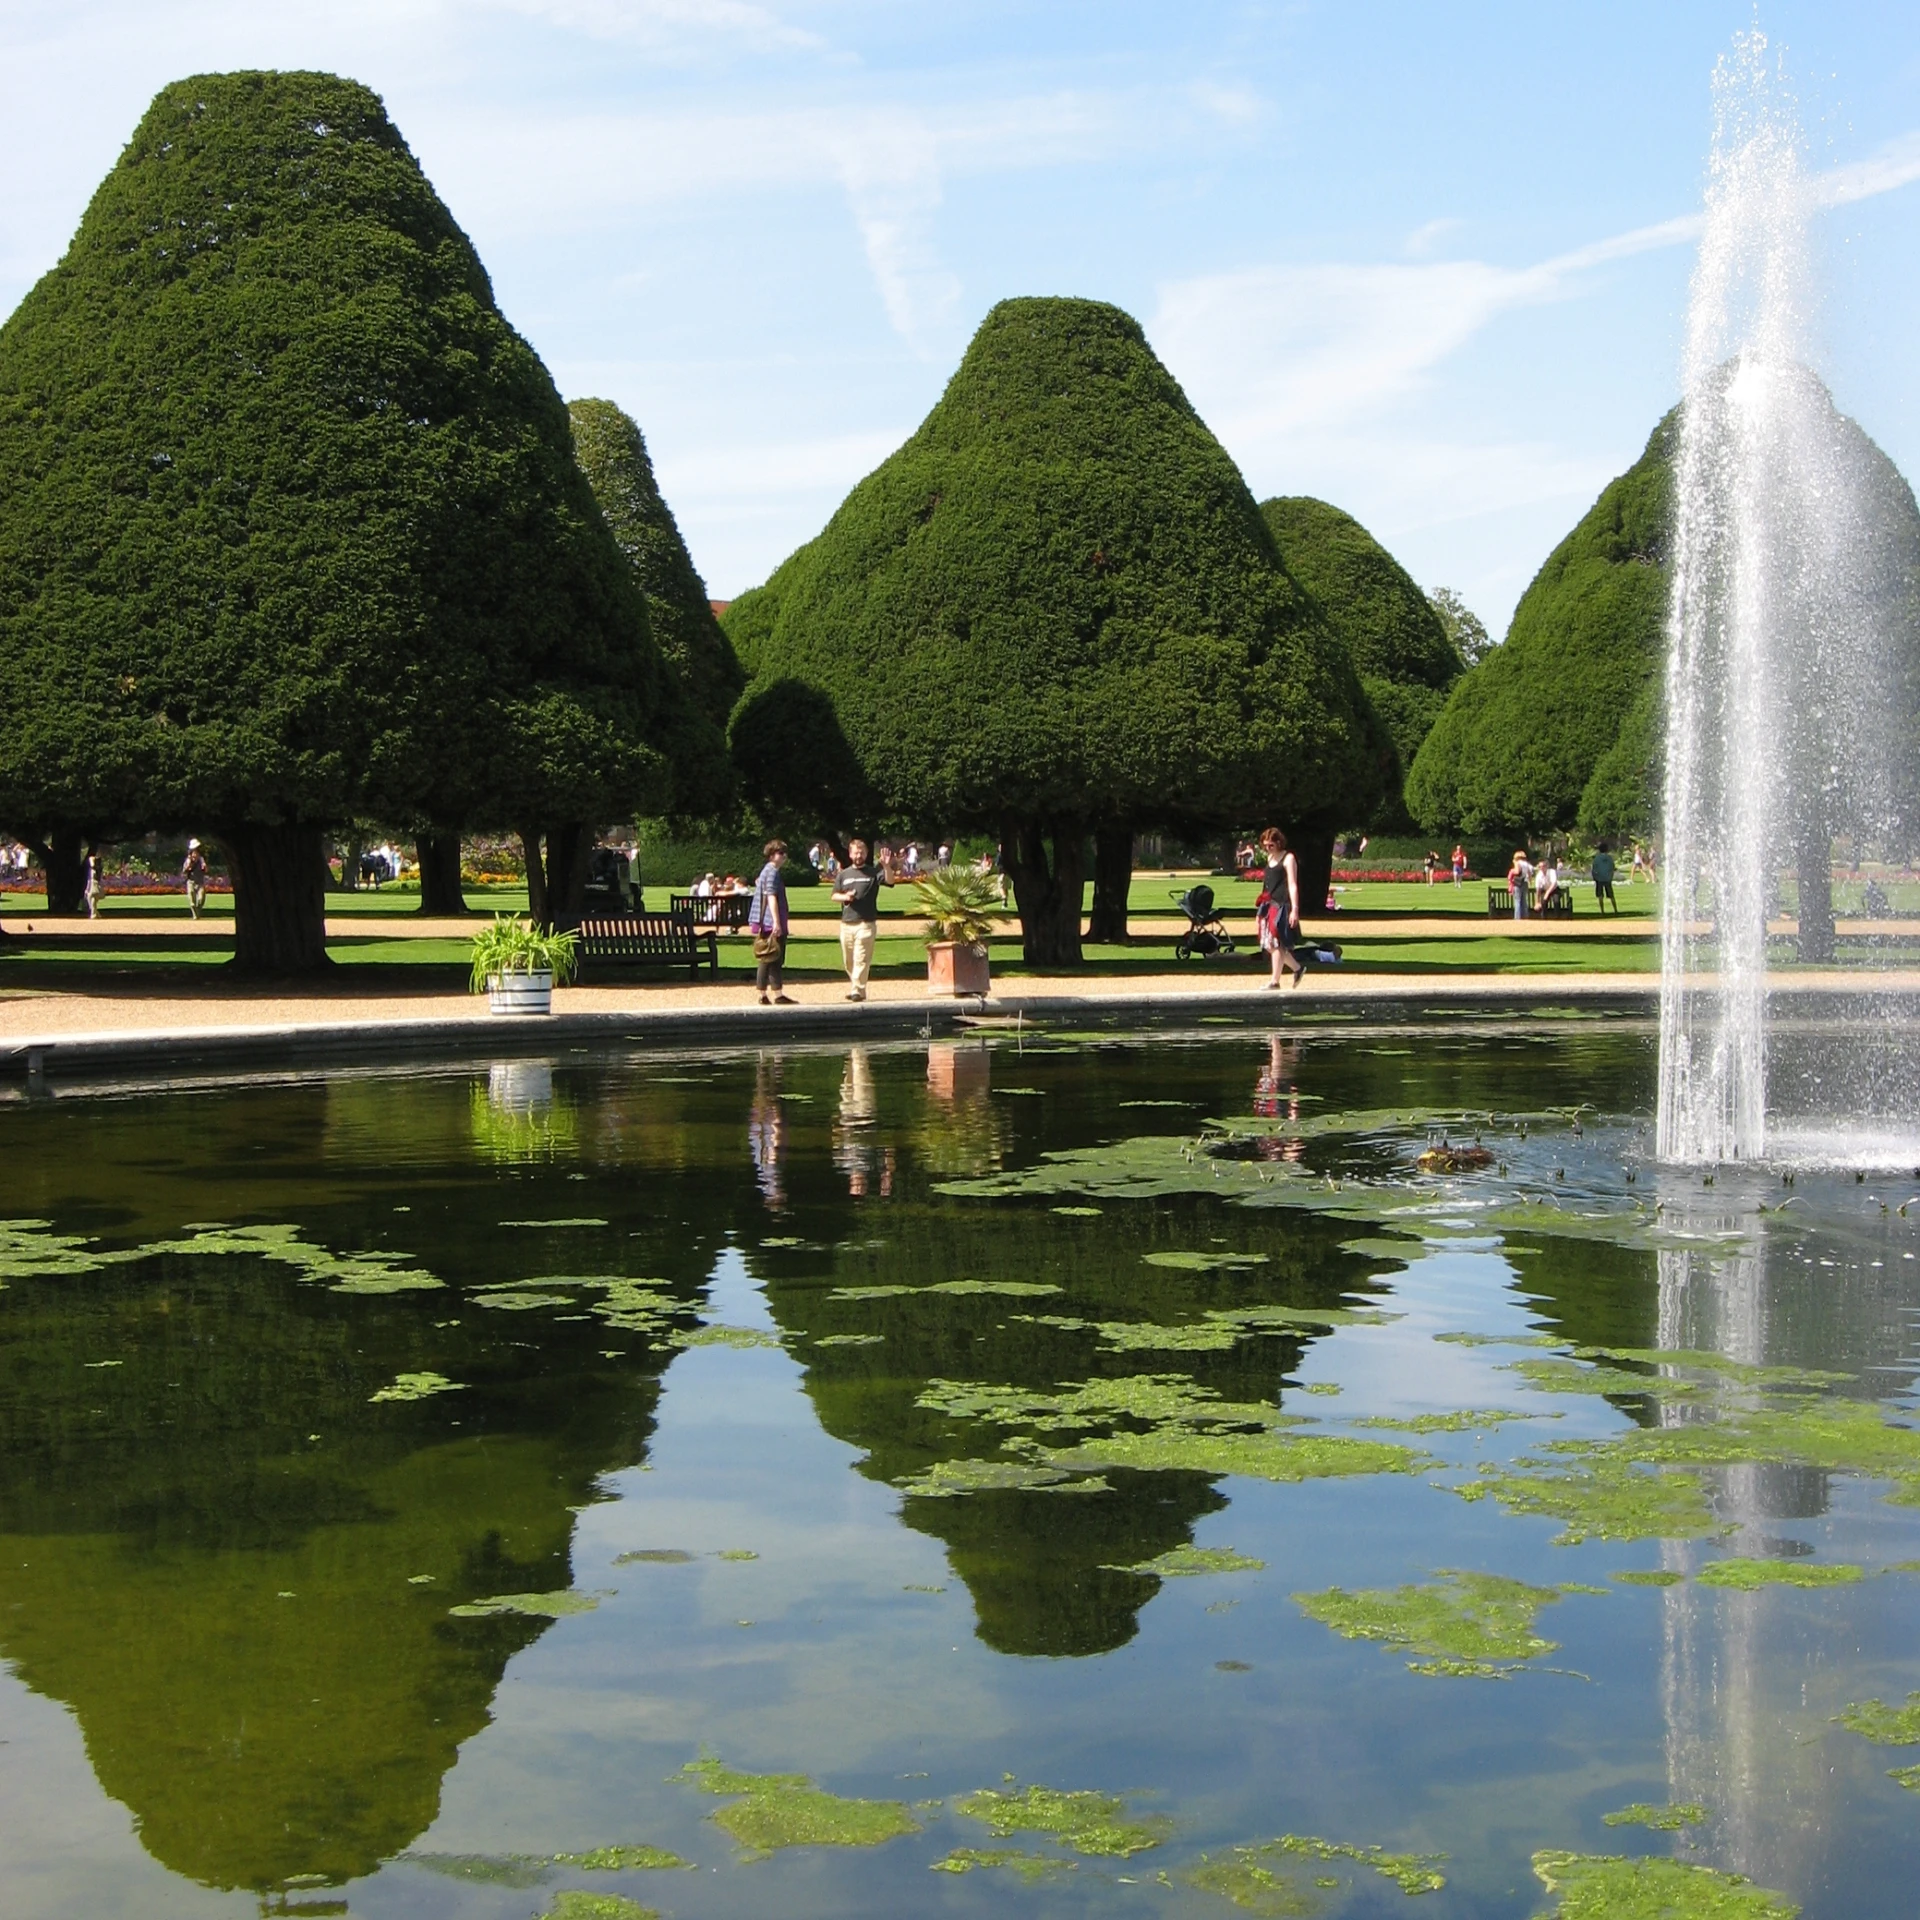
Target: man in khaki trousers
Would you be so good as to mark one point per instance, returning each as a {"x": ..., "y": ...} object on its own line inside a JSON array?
[{"x": 857, "y": 894}]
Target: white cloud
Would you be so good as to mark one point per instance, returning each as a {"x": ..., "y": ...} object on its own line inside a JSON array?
[{"x": 661, "y": 24}]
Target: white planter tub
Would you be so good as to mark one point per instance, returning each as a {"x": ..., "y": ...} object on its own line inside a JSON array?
[{"x": 520, "y": 992}]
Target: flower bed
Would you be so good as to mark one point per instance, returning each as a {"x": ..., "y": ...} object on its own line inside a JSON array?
[
  {"x": 1348, "y": 876},
  {"x": 116, "y": 883}
]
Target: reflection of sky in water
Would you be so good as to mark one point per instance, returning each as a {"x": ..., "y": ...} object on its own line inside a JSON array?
[{"x": 765, "y": 1187}]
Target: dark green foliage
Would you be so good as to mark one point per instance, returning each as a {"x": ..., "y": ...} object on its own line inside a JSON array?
[
  {"x": 1057, "y": 605},
  {"x": 1523, "y": 733},
  {"x": 794, "y": 764},
  {"x": 290, "y": 524},
  {"x": 613, "y": 455},
  {"x": 1623, "y": 796},
  {"x": 1397, "y": 641}
]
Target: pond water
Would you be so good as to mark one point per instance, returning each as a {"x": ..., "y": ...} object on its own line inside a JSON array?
[{"x": 1048, "y": 1474}]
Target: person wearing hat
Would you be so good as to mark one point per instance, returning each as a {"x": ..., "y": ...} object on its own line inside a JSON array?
[{"x": 194, "y": 870}]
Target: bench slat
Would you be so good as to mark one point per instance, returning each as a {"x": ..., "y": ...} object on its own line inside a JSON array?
[{"x": 648, "y": 939}]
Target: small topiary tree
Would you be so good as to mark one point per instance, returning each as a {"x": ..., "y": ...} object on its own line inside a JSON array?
[
  {"x": 1057, "y": 609},
  {"x": 291, "y": 528}
]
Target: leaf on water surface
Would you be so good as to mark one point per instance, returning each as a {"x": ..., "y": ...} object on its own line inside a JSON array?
[
  {"x": 582, "y": 1221},
  {"x": 546, "y": 1606},
  {"x": 655, "y": 1556},
  {"x": 1467, "y": 1420},
  {"x": 1885, "y": 1726},
  {"x": 483, "y": 1869},
  {"x": 1666, "y": 1819},
  {"x": 1089, "y": 1823},
  {"x": 787, "y": 1810},
  {"x": 621, "y": 1859},
  {"x": 1030, "y": 1867},
  {"x": 946, "y": 1478},
  {"x": 850, "y": 1340},
  {"x": 1908, "y": 1777},
  {"x": 1499, "y": 1339},
  {"x": 508, "y": 1300},
  {"x": 1468, "y": 1625},
  {"x": 1080, "y": 1213},
  {"x": 1194, "y": 1262},
  {"x": 417, "y": 1386},
  {"x": 574, "y": 1904},
  {"x": 1179, "y": 1562},
  {"x": 1597, "y": 1886},
  {"x": 1328, "y": 1388},
  {"x": 736, "y": 1553},
  {"x": 1748, "y": 1575}
]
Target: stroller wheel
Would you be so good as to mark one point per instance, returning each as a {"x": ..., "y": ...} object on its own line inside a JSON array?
[
  {"x": 1183, "y": 948},
  {"x": 1226, "y": 943}
]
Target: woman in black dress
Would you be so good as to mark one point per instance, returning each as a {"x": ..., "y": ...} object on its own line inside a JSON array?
[{"x": 1279, "y": 908}]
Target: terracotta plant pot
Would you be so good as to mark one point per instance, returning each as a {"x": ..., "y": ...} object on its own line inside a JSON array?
[
  {"x": 520, "y": 992},
  {"x": 956, "y": 969}
]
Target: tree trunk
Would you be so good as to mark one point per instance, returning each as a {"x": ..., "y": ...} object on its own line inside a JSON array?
[
  {"x": 1813, "y": 856},
  {"x": 63, "y": 859},
  {"x": 536, "y": 875},
  {"x": 1313, "y": 855},
  {"x": 569, "y": 858},
  {"x": 1112, "y": 876},
  {"x": 439, "y": 855},
  {"x": 279, "y": 905},
  {"x": 1047, "y": 893}
]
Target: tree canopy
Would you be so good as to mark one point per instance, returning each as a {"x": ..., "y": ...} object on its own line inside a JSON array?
[
  {"x": 1397, "y": 641},
  {"x": 1523, "y": 733},
  {"x": 291, "y": 528},
  {"x": 613, "y": 454},
  {"x": 1057, "y": 606}
]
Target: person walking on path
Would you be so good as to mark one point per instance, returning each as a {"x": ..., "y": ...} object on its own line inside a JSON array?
[
  {"x": 1520, "y": 883},
  {"x": 1278, "y": 913},
  {"x": 1603, "y": 871},
  {"x": 193, "y": 869},
  {"x": 96, "y": 885},
  {"x": 767, "y": 922},
  {"x": 857, "y": 894},
  {"x": 1459, "y": 864},
  {"x": 1433, "y": 865}
]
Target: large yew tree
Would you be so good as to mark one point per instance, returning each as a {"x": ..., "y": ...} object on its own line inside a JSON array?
[
  {"x": 291, "y": 529},
  {"x": 1056, "y": 611}
]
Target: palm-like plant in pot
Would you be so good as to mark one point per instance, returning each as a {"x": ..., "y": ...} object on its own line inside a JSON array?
[
  {"x": 515, "y": 964},
  {"x": 959, "y": 904}
]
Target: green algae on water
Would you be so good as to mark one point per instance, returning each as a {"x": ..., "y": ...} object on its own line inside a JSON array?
[
  {"x": 1181, "y": 1562},
  {"x": 1649, "y": 1577},
  {"x": 1410, "y": 1872},
  {"x": 1030, "y": 1867},
  {"x": 1327, "y": 1387},
  {"x": 1749, "y": 1575},
  {"x": 417, "y": 1386},
  {"x": 1667, "y": 1819},
  {"x": 483, "y": 1869},
  {"x": 1465, "y": 1625},
  {"x": 657, "y": 1556},
  {"x": 1014, "y": 1289},
  {"x": 736, "y": 1553},
  {"x": 1600, "y": 1498},
  {"x": 1078, "y": 1213},
  {"x": 545, "y": 1606},
  {"x": 573, "y": 1904},
  {"x": 1266, "y": 1880},
  {"x": 1499, "y": 1340},
  {"x": 947, "y": 1478},
  {"x": 622, "y": 1859},
  {"x": 1089, "y": 1823},
  {"x": 1597, "y": 1886},
  {"x": 511, "y": 1300},
  {"x": 1204, "y": 1262},
  {"x": 850, "y": 1340},
  {"x": 1466, "y": 1420},
  {"x": 1280, "y": 1457},
  {"x": 583, "y": 1221},
  {"x": 778, "y": 1810},
  {"x": 1885, "y": 1726},
  {"x": 1562, "y": 1375},
  {"x": 716, "y": 1336}
]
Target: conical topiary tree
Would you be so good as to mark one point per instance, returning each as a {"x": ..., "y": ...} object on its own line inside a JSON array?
[
  {"x": 1522, "y": 734},
  {"x": 291, "y": 528},
  {"x": 613, "y": 455},
  {"x": 1397, "y": 644},
  {"x": 1056, "y": 609}
]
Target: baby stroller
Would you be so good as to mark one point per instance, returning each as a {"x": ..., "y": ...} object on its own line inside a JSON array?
[{"x": 1206, "y": 932}]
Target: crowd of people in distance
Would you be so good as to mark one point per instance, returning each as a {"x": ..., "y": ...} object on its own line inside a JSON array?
[{"x": 1537, "y": 886}]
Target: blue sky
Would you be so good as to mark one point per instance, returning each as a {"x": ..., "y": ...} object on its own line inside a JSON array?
[{"x": 1428, "y": 261}]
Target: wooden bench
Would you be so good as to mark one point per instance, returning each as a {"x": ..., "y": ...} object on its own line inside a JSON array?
[
  {"x": 648, "y": 940},
  {"x": 727, "y": 910},
  {"x": 1560, "y": 907}
]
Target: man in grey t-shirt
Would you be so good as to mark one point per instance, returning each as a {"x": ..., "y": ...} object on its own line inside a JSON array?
[{"x": 857, "y": 894}]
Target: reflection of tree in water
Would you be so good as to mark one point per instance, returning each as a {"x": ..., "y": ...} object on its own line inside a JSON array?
[
  {"x": 1043, "y": 1568},
  {"x": 231, "y": 1564}
]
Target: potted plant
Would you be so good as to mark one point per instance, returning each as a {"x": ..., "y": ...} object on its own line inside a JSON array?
[
  {"x": 515, "y": 965},
  {"x": 959, "y": 904}
]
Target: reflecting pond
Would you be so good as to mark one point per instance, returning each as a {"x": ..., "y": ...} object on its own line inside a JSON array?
[{"x": 1052, "y": 1473}]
